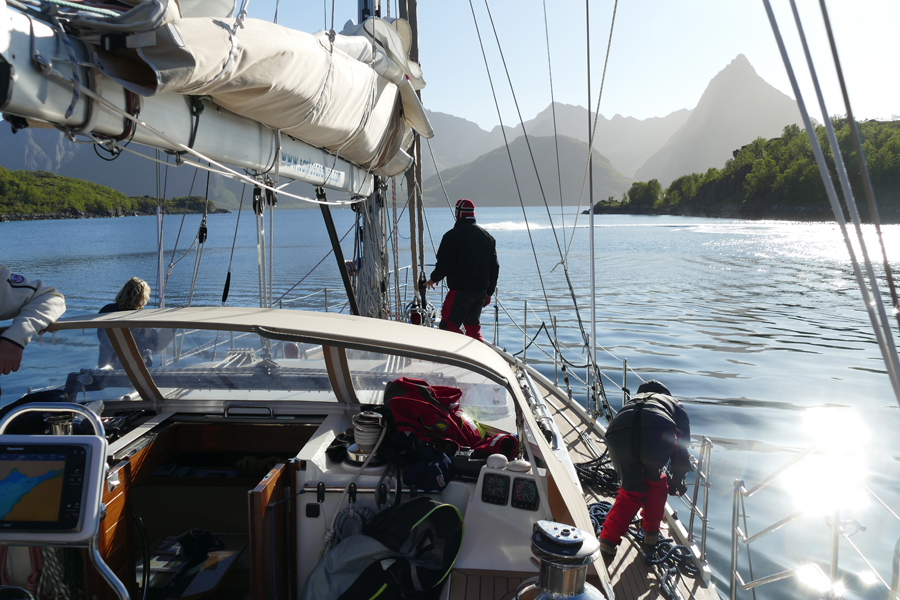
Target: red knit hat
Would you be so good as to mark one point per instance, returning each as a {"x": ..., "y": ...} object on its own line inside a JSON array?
[{"x": 465, "y": 209}]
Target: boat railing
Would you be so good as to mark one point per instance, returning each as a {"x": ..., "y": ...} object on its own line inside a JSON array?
[{"x": 842, "y": 527}]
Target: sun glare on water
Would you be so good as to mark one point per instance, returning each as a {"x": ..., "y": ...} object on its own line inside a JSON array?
[{"x": 842, "y": 436}]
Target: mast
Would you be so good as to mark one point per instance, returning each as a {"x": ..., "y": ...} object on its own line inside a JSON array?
[
  {"x": 371, "y": 290},
  {"x": 408, "y": 11}
]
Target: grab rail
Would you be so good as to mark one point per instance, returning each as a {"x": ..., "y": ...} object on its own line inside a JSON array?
[
  {"x": 701, "y": 480},
  {"x": 812, "y": 573}
]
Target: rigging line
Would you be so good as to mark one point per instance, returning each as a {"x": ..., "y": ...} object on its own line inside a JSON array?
[
  {"x": 553, "y": 107},
  {"x": 226, "y": 172},
  {"x": 400, "y": 216},
  {"x": 174, "y": 262},
  {"x": 441, "y": 179},
  {"x": 430, "y": 237},
  {"x": 509, "y": 154},
  {"x": 524, "y": 132},
  {"x": 832, "y": 198},
  {"x": 277, "y": 3},
  {"x": 159, "y": 240},
  {"x": 587, "y": 167},
  {"x": 562, "y": 257},
  {"x": 327, "y": 254},
  {"x": 234, "y": 243},
  {"x": 420, "y": 215},
  {"x": 863, "y": 168},
  {"x": 850, "y": 202},
  {"x": 200, "y": 245}
]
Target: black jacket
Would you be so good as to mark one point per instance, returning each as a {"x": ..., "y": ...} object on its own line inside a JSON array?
[
  {"x": 660, "y": 411},
  {"x": 467, "y": 257}
]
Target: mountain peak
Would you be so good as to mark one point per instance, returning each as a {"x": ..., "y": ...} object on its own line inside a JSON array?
[
  {"x": 740, "y": 62},
  {"x": 738, "y": 72}
]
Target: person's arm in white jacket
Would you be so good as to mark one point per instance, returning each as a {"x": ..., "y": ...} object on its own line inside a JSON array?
[{"x": 32, "y": 306}]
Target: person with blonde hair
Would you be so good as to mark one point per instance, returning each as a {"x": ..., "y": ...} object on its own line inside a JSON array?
[{"x": 134, "y": 295}]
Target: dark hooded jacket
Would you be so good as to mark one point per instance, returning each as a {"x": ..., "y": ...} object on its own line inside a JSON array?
[
  {"x": 467, "y": 257},
  {"x": 663, "y": 411}
]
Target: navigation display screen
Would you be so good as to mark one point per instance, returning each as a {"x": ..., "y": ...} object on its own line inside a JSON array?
[
  {"x": 31, "y": 486},
  {"x": 41, "y": 487}
]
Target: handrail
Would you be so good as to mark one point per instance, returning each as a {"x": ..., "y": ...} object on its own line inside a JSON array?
[
  {"x": 701, "y": 480},
  {"x": 839, "y": 530},
  {"x": 702, "y": 465}
]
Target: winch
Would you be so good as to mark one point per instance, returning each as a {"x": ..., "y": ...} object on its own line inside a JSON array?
[{"x": 565, "y": 553}]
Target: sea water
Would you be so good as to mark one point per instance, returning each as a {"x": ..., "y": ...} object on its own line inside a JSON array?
[{"x": 758, "y": 327}]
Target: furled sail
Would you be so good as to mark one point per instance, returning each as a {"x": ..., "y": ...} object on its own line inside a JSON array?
[
  {"x": 351, "y": 94},
  {"x": 342, "y": 95}
]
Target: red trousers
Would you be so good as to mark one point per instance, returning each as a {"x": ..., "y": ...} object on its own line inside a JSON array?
[
  {"x": 463, "y": 307},
  {"x": 626, "y": 505}
]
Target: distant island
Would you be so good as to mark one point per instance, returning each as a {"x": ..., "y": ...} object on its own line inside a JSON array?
[
  {"x": 38, "y": 195},
  {"x": 777, "y": 179}
]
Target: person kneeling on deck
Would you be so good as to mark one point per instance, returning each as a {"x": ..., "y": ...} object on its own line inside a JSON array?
[
  {"x": 467, "y": 257},
  {"x": 650, "y": 430}
]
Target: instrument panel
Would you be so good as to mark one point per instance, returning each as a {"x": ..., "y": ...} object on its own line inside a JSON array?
[
  {"x": 525, "y": 494},
  {"x": 495, "y": 488},
  {"x": 522, "y": 494}
]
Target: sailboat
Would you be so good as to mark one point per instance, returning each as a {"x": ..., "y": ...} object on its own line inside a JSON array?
[{"x": 223, "y": 444}]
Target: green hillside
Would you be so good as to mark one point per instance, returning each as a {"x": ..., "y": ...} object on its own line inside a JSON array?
[
  {"x": 778, "y": 179},
  {"x": 38, "y": 193}
]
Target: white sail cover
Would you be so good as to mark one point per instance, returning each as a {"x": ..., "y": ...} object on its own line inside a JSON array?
[{"x": 353, "y": 96}]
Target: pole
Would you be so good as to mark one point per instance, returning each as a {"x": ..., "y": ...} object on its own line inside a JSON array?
[
  {"x": 496, "y": 319},
  {"x": 339, "y": 255},
  {"x": 414, "y": 175},
  {"x": 591, "y": 354},
  {"x": 525, "y": 334},
  {"x": 555, "y": 354},
  {"x": 160, "y": 259}
]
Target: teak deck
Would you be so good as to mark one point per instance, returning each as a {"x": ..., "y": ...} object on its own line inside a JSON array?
[{"x": 629, "y": 575}]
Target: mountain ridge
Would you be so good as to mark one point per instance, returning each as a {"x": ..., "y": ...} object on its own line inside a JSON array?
[{"x": 738, "y": 105}]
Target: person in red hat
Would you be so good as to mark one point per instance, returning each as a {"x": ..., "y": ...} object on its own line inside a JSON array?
[{"x": 467, "y": 257}]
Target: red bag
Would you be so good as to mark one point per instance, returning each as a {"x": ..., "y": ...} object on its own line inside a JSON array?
[
  {"x": 431, "y": 413},
  {"x": 500, "y": 443}
]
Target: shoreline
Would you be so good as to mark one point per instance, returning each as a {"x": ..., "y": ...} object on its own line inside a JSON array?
[
  {"x": 77, "y": 214},
  {"x": 887, "y": 215}
]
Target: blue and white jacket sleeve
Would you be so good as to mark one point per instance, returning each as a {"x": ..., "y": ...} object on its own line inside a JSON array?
[{"x": 29, "y": 303}]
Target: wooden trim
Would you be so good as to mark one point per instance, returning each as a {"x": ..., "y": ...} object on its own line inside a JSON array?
[
  {"x": 133, "y": 363},
  {"x": 339, "y": 374},
  {"x": 269, "y": 536},
  {"x": 116, "y": 536}
]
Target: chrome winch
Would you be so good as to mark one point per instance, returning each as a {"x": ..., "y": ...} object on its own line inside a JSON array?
[{"x": 565, "y": 553}]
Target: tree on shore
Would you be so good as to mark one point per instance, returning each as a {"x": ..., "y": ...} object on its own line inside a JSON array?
[{"x": 779, "y": 173}]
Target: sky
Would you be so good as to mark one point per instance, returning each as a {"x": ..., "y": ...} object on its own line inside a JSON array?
[{"x": 662, "y": 56}]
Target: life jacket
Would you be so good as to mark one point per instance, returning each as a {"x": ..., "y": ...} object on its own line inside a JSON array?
[{"x": 429, "y": 412}]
